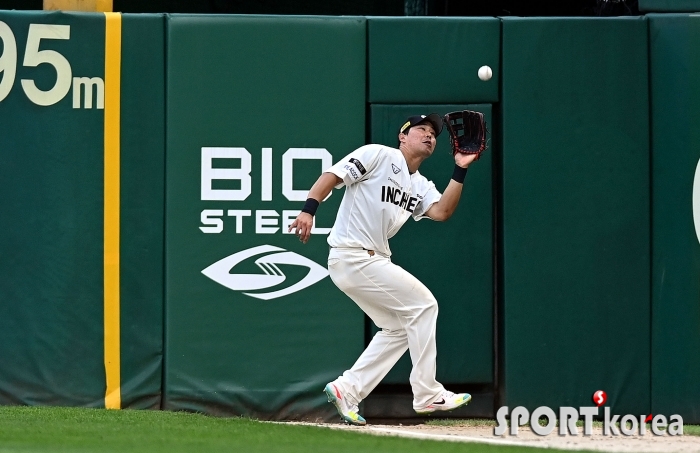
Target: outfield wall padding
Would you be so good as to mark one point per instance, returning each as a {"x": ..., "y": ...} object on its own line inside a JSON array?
[
  {"x": 52, "y": 329},
  {"x": 143, "y": 208},
  {"x": 51, "y": 326},
  {"x": 432, "y": 60},
  {"x": 594, "y": 154},
  {"x": 288, "y": 94},
  {"x": 576, "y": 250},
  {"x": 675, "y": 101}
]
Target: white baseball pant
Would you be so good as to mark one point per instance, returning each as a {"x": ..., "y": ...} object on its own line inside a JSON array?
[{"x": 405, "y": 310}]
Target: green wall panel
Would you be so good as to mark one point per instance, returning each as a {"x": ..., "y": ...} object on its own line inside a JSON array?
[
  {"x": 576, "y": 216},
  {"x": 669, "y": 5},
  {"x": 431, "y": 60},
  {"x": 464, "y": 291},
  {"x": 263, "y": 85},
  {"x": 142, "y": 208},
  {"x": 51, "y": 328},
  {"x": 675, "y": 100}
]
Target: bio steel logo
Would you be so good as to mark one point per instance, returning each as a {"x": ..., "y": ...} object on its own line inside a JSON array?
[
  {"x": 271, "y": 274},
  {"x": 627, "y": 425},
  {"x": 227, "y": 176}
]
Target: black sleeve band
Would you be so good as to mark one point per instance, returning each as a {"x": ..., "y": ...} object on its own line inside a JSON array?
[
  {"x": 459, "y": 174},
  {"x": 310, "y": 206}
]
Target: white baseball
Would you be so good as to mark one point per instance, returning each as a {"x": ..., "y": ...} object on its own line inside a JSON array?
[{"x": 485, "y": 73}]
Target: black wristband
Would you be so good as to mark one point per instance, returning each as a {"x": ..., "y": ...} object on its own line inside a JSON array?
[
  {"x": 459, "y": 174},
  {"x": 310, "y": 206}
]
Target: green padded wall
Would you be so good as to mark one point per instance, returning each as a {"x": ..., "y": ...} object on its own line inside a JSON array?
[
  {"x": 51, "y": 328},
  {"x": 52, "y": 315},
  {"x": 465, "y": 291},
  {"x": 288, "y": 94},
  {"x": 431, "y": 60},
  {"x": 142, "y": 208},
  {"x": 669, "y": 5},
  {"x": 675, "y": 100},
  {"x": 576, "y": 240}
]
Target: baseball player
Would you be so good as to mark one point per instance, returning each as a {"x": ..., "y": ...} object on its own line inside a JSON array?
[{"x": 384, "y": 189}]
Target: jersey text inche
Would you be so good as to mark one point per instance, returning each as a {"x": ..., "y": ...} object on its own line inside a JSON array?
[{"x": 395, "y": 196}]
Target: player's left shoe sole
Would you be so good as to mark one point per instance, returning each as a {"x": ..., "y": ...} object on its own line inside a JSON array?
[{"x": 349, "y": 416}]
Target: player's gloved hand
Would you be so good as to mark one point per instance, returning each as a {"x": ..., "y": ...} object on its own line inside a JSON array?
[
  {"x": 302, "y": 226},
  {"x": 467, "y": 131},
  {"x": 463, "y": 160}
]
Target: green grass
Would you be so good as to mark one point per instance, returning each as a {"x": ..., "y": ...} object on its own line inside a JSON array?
[
  {"x": 691, "y": 430},
  {"x": 59, "y": 429},
  {"x": 462, "y": 422}
]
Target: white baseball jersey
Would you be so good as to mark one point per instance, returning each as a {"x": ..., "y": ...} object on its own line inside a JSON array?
[{"x": 380, "y": 196}]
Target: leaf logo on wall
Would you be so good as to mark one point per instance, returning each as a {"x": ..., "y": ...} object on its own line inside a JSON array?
[{"x": 221, "y": 272}]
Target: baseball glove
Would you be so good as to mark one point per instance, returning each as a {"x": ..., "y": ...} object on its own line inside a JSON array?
[{"x": 467, "y": 131}]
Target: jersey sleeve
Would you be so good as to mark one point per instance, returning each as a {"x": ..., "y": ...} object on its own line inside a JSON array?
[
  {"x": 356, "y": 166},
  {"x": 429, "y": 195}
]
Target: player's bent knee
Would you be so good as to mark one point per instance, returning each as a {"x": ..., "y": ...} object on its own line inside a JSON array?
[{"x": 429, "y": 310}]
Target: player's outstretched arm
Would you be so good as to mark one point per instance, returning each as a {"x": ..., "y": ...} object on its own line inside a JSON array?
[
  {"x": 319, "y": 191},
  {"x": 443, "y": 209}
]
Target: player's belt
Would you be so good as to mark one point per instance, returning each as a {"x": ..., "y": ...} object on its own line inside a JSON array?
[{"x": 369, "y": 252}]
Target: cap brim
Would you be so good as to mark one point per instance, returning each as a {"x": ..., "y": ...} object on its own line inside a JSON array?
[{"x": 436, "y": 121}]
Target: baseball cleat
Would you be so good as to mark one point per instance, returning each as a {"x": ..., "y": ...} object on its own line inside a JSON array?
[
  {"x": 348, "y": 412},
  {"x": 447, "y": 401}
]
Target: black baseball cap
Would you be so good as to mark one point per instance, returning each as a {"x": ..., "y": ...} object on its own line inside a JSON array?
[{"x": 433, "y": 119}]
